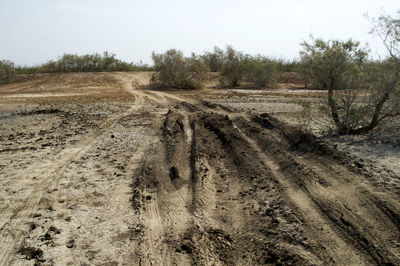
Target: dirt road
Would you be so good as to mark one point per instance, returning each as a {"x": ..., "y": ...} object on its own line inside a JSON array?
[{"x": 98, "y": 170}]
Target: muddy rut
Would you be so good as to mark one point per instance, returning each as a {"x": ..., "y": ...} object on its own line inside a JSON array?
[{"x": 170, "y": 180}]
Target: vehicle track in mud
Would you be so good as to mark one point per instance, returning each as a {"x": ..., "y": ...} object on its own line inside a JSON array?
[
  {"x": 305, "y": 223},
  {"x": 174, "y": 180}
]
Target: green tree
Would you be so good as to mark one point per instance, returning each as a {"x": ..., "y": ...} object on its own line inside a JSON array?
[
  {"x": 214, "y": 60},
  {"x": 260, "y": 70},
  {"x": 173, "y": 70},
  {"x": 387, "y": 95},
  {"x": 233, "y": 67},
  {"x": 360, "y": 93}
]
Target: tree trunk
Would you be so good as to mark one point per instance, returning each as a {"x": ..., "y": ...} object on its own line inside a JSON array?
[{"x": 334, "y": 112}]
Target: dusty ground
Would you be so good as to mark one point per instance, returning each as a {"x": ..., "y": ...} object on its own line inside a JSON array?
[{"x": 95, "y": 169}]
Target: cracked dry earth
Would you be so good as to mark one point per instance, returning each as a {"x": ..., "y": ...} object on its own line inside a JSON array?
[{"x": 97, "y": 170}]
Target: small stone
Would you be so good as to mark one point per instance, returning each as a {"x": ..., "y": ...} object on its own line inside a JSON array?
[
  {"x": 47, "y": 236},
  {"x": 70, "y": 243}
]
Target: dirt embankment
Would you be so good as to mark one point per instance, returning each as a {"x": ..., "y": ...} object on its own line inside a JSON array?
[{"x": 167, "y": 178}]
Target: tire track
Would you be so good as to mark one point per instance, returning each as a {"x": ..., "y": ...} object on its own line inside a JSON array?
[
  {"x": 18, "y": 215},
  {"x": 341, "y": 197},
  {"x": 166, "y": 197},
  {"x": 157, "y": 252},
  {"x": 343, "y": 253}
]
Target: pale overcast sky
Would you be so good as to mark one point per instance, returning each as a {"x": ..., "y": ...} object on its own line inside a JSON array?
[{"x": 35, "y": 31}]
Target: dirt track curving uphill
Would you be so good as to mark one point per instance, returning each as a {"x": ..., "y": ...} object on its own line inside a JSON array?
[{"x": 97, "y": 169}]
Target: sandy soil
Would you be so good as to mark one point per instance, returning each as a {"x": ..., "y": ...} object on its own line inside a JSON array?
[{"x": 96, "y": 169}]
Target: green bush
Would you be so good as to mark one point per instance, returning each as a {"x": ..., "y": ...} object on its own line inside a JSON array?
[
  {"x": 173, "y": 70},
  {"x": 214, "y": 60},
  {"x": 332, "y": 64},
  {"x": 7, "y": 72},
  {"x": 233, "y": 67},
  {"x": 284, "y": 65},
  {"x": 260, "y": 70}
]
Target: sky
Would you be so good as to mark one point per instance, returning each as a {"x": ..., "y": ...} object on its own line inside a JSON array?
[{"x": 35, "y": 31}]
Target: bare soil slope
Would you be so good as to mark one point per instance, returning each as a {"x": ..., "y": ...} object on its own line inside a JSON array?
[{"x": 97, "y": 169}]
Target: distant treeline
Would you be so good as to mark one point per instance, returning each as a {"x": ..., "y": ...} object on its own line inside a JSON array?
[
  {"x": 83, "y": 63},
  {"x": 106, "y": 62},
  {"x": 71, "y": 63}
]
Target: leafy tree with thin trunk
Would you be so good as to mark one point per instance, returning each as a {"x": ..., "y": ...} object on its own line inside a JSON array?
[
  {"x": 361, "y": 93},
  {"x": 233, "y": 67}
]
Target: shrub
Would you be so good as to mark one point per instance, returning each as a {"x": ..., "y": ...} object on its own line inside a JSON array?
[
  {"x": 233, "y": 67},
  {"x": 260, "y": 70},
  {"x": 284, "y": 65},
  {"x": 361, "y": 93},
  {"x": 7, "y": 72},
  {"x": 214, "y": 60},
  {"x": 173, "y": 70}
]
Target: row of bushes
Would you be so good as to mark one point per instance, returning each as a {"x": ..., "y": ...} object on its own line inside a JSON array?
[
  {"x": 318, "y": 60},
  {"x": 71, "y": 63},
  {"x": 174, "y": 70},
  {"x": 177, "y": 71},
  {"x": 215, "y": 61}
]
